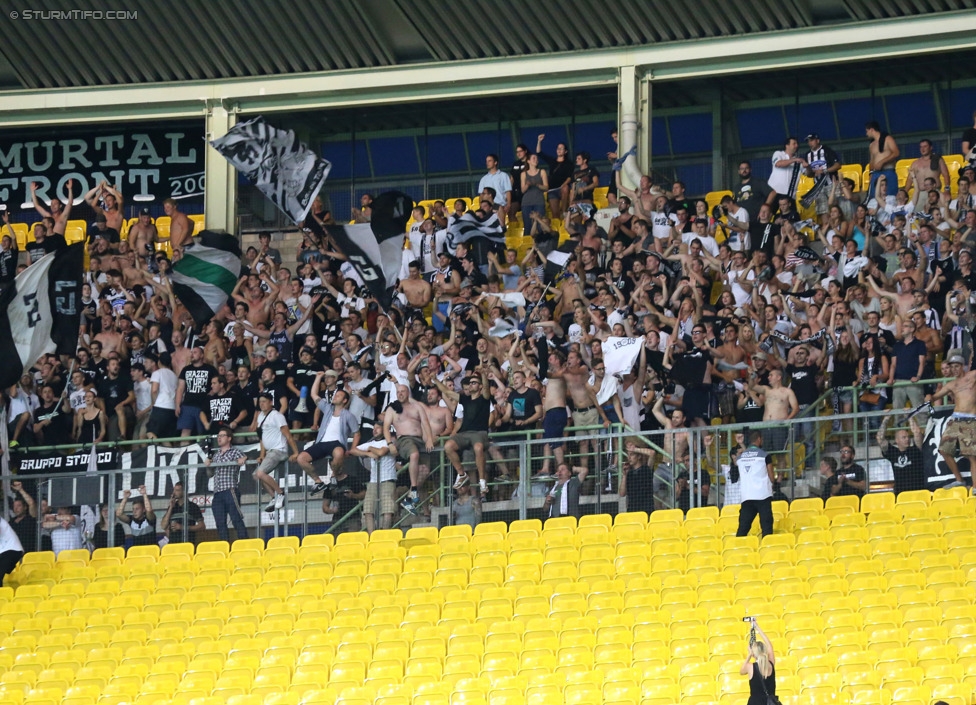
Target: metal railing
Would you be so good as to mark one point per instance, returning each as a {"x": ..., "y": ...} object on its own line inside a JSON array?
[{"x": 518, "y": 494}]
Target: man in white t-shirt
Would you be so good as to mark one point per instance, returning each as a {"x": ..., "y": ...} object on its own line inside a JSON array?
[
  {"x": 142, "y": 388},
  {"x": 381, "y": 488},
  {"x": 737, "y": 227},
  {"x": 787, "y": 168},
  {"x": 163, "y": 383},
  {"x": 740, "y": 278},
  {"x": 500, "y": 183},
  {"x": 755, "y": 487},
  {"x": 11, "y": 549},
  {"x": 275, "y": 440}
]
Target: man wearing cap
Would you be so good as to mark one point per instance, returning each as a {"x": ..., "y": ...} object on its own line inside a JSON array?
[
  {"x": 823, "y": 164},
  {"x": 143, "y": 236},
  {"x": 191, "y": 392},
  {"x": 338, "y": 426},
  {"x": 961, "y": 427}
]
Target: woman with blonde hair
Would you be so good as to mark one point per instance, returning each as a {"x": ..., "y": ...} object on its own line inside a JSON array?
[{"x": 760, "y": 667}]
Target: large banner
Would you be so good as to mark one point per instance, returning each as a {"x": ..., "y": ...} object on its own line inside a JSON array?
[
  {"x": 148, "y": 164},
  {"x": 156, "y": 467},
  {"x": 937, "y": 473}
]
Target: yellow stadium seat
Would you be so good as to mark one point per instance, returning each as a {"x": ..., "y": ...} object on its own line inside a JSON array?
[{"x": 875, "y": 501}]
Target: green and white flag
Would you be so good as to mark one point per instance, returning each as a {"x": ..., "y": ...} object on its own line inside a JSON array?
[{"x": 207, "y": 274}]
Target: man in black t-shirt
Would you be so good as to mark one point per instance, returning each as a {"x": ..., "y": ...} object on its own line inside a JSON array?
[
  {"x": 182, "y": 513},
  {"x": 8, "y": 260},
  {"x": 299, "y": 383},
  {"x": 116, "y": 389},
  {"x": 751, "y": 193},
  {"x": 474, "y": 410},
  {"x": 803, "y": 378},
  {"x": 223, "y": 408},
  {"x": 37, "y": 249},
  {"x": 526, "y": 403},
  {"x": 24, "y": 518},
  {"x": 763, "y": 232},
  {"x": 585, "y": 179},
  {"x": 192, "y": 391},
  {"x": 637, "y": 481},
  {"x": 905, "y": 456},
  {"x": 52, "y": 424},
  {"x": 247, "y": 390},
  {"x": 341, "y": 497}
]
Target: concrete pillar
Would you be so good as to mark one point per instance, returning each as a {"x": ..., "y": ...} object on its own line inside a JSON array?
[{"x": 220, "y": 195}]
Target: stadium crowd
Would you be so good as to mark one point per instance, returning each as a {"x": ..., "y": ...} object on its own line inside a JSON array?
[{"x": 748, "y": 312}]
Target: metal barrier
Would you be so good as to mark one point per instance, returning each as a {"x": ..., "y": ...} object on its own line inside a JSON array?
[{"x": 687, "y": 470}]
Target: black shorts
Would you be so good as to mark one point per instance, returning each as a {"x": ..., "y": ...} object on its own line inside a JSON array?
[
  {"x": 161, "y": 423},
  {"x": 323, "y": 449}
]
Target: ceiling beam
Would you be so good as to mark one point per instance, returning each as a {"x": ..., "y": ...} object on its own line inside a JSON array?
[{"x": 383, "y": 85}]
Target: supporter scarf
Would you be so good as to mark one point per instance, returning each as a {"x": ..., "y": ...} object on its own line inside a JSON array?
[{"x": 767, "y": 345}]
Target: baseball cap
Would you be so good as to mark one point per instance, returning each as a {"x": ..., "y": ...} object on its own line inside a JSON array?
[
  {"x": 466, "y": 283},
  {"x": 331, "y": 373},
  {"x": 307, "y": 350},
  {"x": 266, "y": 395},
  {"x": 956, "y": 360},
  {"x": 259, "y": 353},
  {"x": 144, "y": 211},
  {"x": 813, "y": 136},
  {"x": 760, "y": 356}
]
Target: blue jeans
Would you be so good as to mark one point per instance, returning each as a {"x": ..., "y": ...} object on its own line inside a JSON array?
[
  {"x": 890, "y": 177},
  {"x": 228, "y": 502}
]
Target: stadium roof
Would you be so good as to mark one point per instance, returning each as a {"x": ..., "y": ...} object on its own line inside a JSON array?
[{"x": 188, "y": 40}]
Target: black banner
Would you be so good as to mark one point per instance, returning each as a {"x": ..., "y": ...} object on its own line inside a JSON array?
[
  {"x": 32, "y": 463},
  {"x": 148, "y": 164}
]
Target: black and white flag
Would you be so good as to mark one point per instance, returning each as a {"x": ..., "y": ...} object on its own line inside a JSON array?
[
  {"x": 283, "y": 169},
  {"x": 556, "y": 264},
  {"x": 375, "y": 249},
  {"x": 473, "y": 225},
  {"x": 40, "y": 311}
]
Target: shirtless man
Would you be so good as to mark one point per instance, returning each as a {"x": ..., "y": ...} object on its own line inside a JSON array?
[
  {"x": 438, "y": 415},
  {"x": 110, "y": 338},
  {"x": 180, "y": 227},
  {"x": 586, "y": 409},
  {"x": 780, "y": 405},
  {"x": 143, "y": 236},
  {"x": 728, "y": 355},
  {"x": 884, "y": 152},
  {"x": 929, "y": 166},
  {"x": 413, "y": 437},
  {"x": 259, "y": 304},
  {"x": 418, "y": 292},
  {"x": 961, "y": 428},
  {"x": 554, "y": 417},
  {"x": 675, "y": 444},
  {"x": 643, "y": 199},
  {"x": 112, "y": 209},
  {"x": 60, "y": 212},
  {"x": 904, "y": 301},
  {"x": 932, "y": 340},
  {"x": 181, "y": 354}
]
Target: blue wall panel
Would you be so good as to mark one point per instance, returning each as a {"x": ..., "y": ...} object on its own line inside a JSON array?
[
  {"x": 691, "y": 133},
  {"x": 394, "y": 156}
]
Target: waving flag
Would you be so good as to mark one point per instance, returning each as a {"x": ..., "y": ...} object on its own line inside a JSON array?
[
  {"x": 39, "y": 312},
  {"x": 207, "y": 274},
  {"x": 475, "y": 224},
  {"x": 620, "y": 354},
  {"x": 283, "y": 169},
  {"x": 375, "y": 249}
]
